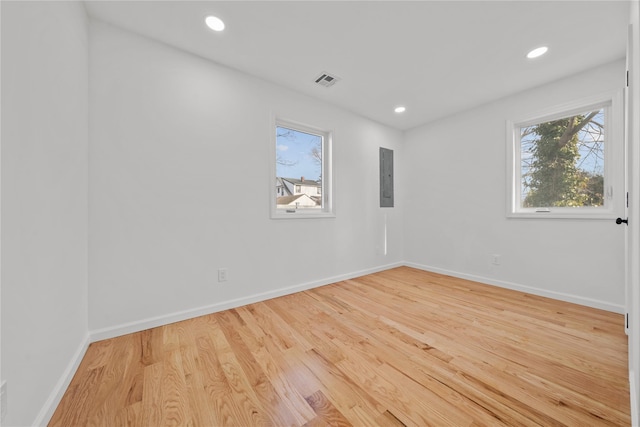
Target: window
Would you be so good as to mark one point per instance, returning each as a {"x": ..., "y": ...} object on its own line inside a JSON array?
[
  {"x": 302, "y": 171},
  {"x": 568, "y": 163}
]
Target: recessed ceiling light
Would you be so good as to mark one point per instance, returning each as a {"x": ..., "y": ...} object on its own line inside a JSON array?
[
  {"x": 214, "y": 23},
  {"x": 400, "y": 109},
  {"x": 539, "y": 51}
]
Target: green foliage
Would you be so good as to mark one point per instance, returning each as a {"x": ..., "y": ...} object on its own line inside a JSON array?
[{"x": 553, "y": 177}]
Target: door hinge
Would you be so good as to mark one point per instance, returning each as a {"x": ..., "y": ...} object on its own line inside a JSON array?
[
  {"x": 627, "y": 78},
  {"x": 627, "y": 320},
  {"x": 627, "y": 199}
]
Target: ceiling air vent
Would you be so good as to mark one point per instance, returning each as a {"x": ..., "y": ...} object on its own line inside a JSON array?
[{"x": 326, "y": 80}]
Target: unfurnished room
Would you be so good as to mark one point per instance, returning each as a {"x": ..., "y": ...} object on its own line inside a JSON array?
[{"x": 319, "y": 213}]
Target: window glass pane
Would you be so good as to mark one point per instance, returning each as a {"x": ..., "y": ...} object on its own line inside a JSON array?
[
  {"x": 298, "y": 169},
  {"x": 562, "y": 162}
]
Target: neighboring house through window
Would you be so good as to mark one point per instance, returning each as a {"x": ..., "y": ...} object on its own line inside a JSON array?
[{"x": 301, "y": 172}]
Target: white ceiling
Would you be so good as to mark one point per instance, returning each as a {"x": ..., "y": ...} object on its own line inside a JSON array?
[{"x": 435, "y": 57}]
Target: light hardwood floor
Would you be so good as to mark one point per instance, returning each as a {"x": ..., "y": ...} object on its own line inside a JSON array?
[{"x": 400, "y": 347}]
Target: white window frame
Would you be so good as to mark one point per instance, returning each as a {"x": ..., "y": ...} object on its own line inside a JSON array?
[
  {"x": 328, "y": 207},
  {"x": 614, "y": 164}
]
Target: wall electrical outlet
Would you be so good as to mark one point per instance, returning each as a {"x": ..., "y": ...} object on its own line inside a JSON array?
[
  {"x": 222, "y": 275},
  {"x": 3, "y": 400},
  {"x": 495, "y": 259}
]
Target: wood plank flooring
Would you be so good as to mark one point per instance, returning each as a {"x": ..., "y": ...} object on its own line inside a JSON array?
[{"x": 400, "y": 347}]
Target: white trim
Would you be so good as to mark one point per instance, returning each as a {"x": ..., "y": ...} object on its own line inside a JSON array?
[
  {"x": 614, "y": 159},
  {"x": 328, "y": 198},
  {"x": 56, "y": 395},
  {"x": 633, "y": 397},
  {"x": 152, "y": 322},
  {"x": 633, "y": 62},
  {"x": 58, "y": 391},
  {"x": 589, "y": 302}
]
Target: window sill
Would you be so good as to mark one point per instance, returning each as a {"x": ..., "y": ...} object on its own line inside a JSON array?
[
  {"x": 301, "y": 215},
  {"x": 608, "y": 215}
]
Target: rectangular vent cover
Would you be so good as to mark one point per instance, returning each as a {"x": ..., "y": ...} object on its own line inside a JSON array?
[{"x": 327, "y": 80}]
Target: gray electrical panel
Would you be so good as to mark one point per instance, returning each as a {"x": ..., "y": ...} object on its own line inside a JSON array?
[{"x": 386, "y": 178}]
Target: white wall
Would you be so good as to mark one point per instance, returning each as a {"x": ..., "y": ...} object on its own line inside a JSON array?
[
  {"x": 44, "y": 201},
  {"x": 455, "y": 206},
  {"x": 177, "y": 146}
]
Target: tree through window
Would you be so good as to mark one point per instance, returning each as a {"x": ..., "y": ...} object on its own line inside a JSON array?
[
  {"x": 562, "y": 161},
  {"x": 568, "y": 162}
]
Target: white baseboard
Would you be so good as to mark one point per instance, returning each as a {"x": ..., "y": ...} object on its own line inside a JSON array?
[
  {"x": 589, "y": 302},
  {"x": 55, "y": 397},
  {"x": 633, "y": 392},
  {"x": 48, "y": 409},
  {"x": 141, "y": 325}
]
